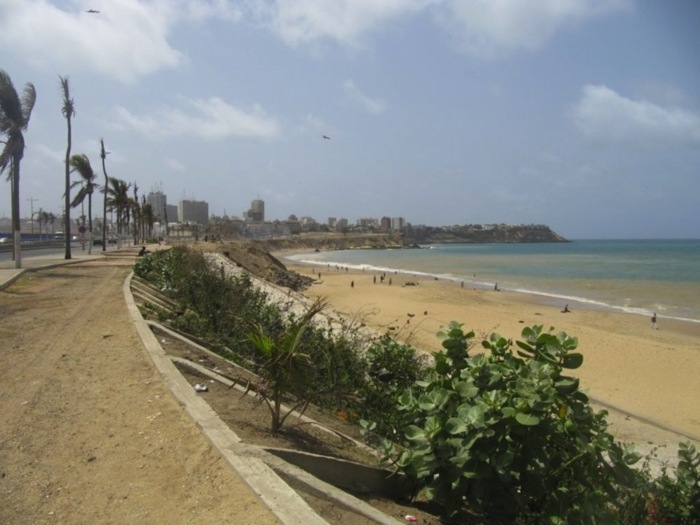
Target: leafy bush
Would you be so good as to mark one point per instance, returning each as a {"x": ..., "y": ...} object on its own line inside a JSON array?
[
  {"x": 392, "y": 368},
  {"x": 676, "y": 499},
  {"x": 508, "y": 435},
  {"x": 212, "y": 304}
]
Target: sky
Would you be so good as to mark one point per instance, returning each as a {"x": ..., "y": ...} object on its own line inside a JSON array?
[{"x": 583, "y": 115}]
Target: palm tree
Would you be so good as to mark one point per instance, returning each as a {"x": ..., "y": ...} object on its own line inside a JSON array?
[
  {"x": 52, "y": 220},
  {"x": 68, "y": 111},
  {"x": 81, "y": 164},
  {"x": 39, "y": 214},
  {"x": 103, "y": 156},
  {"x": 45, "y": 217},
  {"x": 15, "y": 112},
  {"x": 148, "y": 219},
  {"x": 286, "y": 370},
  {"x": 118, "y": 199},
  {"x": 135, "y": 208}
]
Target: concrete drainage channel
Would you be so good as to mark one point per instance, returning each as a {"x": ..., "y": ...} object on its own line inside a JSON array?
[{"x": 263, "y": 469}]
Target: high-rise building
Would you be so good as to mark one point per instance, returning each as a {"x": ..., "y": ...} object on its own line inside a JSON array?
[
  {"x": 170, "y": 213},
  {"x": 397, "y": 224},
  {"x": 193, "y": 211},
  {"x": 256, "y": 213},
  {"x": 158, "y": 201}
]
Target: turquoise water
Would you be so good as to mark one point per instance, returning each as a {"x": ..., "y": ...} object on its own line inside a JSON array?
[{"x": 635, "y": 276}]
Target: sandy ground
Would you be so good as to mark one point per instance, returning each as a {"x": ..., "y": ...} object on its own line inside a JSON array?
[
  {"x": 649, "y": 375},
  {"x": 88, "y": 431}
]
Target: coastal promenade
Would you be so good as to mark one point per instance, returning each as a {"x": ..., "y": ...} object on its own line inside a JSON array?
[{"x": 90, "y": 432}]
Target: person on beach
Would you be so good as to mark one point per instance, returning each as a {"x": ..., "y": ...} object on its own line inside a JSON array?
[
  {"x": 566, "y": 310},
  {"x": 654, "y": 326},
  {"x": 352, "y": 284}
]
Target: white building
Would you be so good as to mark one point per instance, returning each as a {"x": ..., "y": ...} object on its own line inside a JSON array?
[{"x": 397, "y": 224}]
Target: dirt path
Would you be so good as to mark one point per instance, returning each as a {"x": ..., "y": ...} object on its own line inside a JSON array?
[{"x": 88, "y": 432}]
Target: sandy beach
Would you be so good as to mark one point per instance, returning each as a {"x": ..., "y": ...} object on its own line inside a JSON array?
[{"x": 652, "y": 375}]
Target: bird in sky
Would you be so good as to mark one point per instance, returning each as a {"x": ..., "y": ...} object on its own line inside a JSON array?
[
  {"x": 92, "y": 11},
  {"x": 326, "y": 137}
]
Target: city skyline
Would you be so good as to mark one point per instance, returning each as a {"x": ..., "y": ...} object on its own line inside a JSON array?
[{"x": 581, "y": 115}]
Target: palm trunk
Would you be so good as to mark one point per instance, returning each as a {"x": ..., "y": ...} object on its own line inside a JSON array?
[
  {"x": 16, "y": 230},
  {"x": 90, "y": 224},
  {"x": 103, "y": 155},
  {"x": 67, "y": 197}
]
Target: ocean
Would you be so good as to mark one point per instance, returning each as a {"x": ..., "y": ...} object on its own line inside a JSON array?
[{"x": 633, "y": 276}]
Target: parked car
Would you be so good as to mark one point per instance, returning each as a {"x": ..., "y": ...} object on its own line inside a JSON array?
[{"x": 97, "y": 242}]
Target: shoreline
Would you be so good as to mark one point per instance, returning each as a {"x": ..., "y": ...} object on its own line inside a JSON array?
[
  {"x": 545, "y": 295},
  {"x": 544, "y": 298},
  {"x": 650, "y": 374}
]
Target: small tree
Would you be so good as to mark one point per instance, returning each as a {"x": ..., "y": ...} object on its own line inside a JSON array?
[
  {"x": 81, "y": 164},
  {"x": 285, "y": 370}
]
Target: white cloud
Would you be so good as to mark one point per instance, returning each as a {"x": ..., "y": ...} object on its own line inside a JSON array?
[
  {"x": 369, "y": 104},
  {"x": 220, "y": 9},
  {"x": 300, "y": 21},
  {"x": 126, "y": 40},
  {"x": 312, "y": 124},
  {"x": 605, "y": 116},
  {"x": 210, "y": 118},
  {"x": 490, "y": 28},
  {"x": 47, "y": 153}
]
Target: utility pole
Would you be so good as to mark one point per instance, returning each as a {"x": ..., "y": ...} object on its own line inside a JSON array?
[{"x": 32, "y": 200}]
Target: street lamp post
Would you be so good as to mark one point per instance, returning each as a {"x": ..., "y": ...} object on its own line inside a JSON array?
[{"x": 31, "y": 206}]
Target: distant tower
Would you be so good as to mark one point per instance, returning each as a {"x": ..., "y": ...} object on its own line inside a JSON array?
[
  {"x": 257, "y": 210},
  {"x": 158, "y": 201}
]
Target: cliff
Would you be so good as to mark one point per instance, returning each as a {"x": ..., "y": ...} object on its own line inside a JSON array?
[
  {"x": 483, "y": 234},
  {"x": 256, "y": 259}
]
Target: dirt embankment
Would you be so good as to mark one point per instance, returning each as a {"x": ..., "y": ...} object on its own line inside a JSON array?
[{"x": 255, "y": 258}]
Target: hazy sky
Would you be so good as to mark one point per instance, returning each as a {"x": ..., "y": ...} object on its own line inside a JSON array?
[{"x": 580, "y": 114}]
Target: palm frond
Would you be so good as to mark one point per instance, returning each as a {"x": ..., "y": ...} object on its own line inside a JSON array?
[
  {"x": 10, "y": 104},
  {"x": 28, "y": 101},
  {"x": 68, "y": 108}
]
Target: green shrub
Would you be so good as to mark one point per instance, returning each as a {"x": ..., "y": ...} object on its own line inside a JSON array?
[
  {"x": 509, "y": 435},
  {"x": 676, "y": 499},
  {"x": 392, "y": 368}
]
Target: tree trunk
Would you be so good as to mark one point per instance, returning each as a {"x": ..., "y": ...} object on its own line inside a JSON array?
[
  {"x": 16, "y": 230},
  {"x": 67, "y": 196},
  {"x": 90, "y": 224}
]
